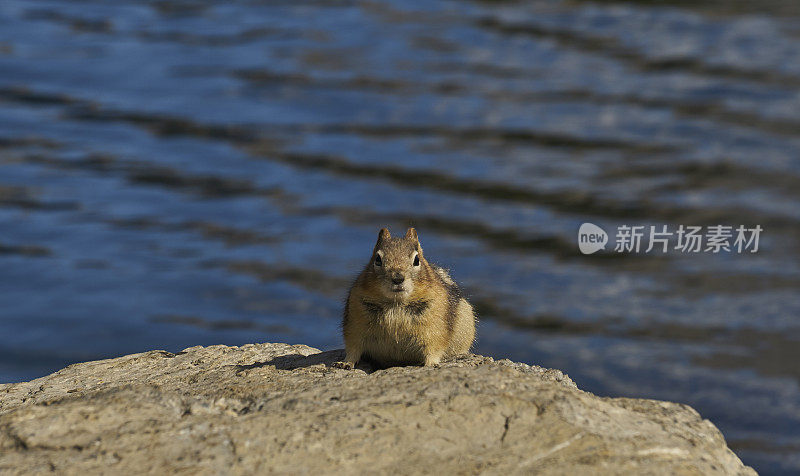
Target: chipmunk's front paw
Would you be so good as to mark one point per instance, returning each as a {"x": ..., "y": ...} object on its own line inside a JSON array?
[
  {"x": 433, "y": 361},
  {"x": 343, "y": 365}
]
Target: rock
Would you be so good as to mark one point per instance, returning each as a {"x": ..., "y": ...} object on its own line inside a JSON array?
[{"x": 277, "y": 408}]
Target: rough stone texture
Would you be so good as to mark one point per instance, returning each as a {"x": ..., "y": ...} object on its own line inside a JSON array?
[{"x": 277, "y": 408}]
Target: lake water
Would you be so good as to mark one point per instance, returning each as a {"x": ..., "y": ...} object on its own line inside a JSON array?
[{"x": 191, "y": 173}]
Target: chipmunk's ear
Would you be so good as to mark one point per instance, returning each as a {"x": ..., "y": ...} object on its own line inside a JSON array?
[
  {"x": 411, "y": 234},
  {"x": 383, "y": 235}
]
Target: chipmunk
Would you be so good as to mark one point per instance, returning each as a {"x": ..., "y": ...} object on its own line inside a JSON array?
[{"x": 402, "y": 310}]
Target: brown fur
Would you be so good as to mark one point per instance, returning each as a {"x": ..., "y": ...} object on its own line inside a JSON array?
[{"x": 419, "y": 321}]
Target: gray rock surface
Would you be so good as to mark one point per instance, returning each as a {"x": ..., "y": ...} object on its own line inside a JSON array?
[{"x": 278, "y": 408}]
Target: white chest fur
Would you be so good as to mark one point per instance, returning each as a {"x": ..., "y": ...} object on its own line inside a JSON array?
[{"x": 393, "y": 335}]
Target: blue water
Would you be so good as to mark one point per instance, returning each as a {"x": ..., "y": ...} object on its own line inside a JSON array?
[{"x": 191, "y": 173}]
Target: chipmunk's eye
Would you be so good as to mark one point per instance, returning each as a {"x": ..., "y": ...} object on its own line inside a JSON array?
[
  {"x": 378, "y": 261},
  {"x": 416, "y": 260}
]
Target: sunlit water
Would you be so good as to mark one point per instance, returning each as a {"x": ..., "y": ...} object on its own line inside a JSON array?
[{"x": 187, "y": 173}]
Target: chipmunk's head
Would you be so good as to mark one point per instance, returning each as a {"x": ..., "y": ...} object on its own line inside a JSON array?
[{"x": 397, "y": 263}]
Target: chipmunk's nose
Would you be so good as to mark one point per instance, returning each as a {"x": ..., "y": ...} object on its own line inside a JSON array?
[{"x": 398, "y": 278}]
